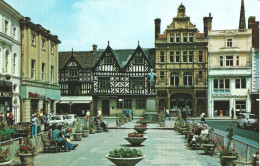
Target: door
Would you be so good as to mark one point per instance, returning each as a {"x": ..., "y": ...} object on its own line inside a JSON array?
[{"x": 105, "y": 107}]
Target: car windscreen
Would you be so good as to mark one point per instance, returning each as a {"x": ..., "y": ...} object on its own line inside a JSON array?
[
  {"x": 252, "y": 117},
  {"x": 69, "y": 117},
  {"x": 53, "y": 118}
]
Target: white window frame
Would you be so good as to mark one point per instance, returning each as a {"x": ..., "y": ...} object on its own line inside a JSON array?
[
  {"x": 52, "y": 74},
  {"x": 173, "y": 76},
  {"x": 6, "y": 26},
  {"x": 225, "y": 89},
  {"x": 162, "y": 75},
  {"x": 228, "y": 61},
  {"x": 184, "y": 55},
  {"x": 7, "y": 61},
  {"x": 190, "y": 55},
  {"x": 177, "y": 56},
  {"x": 162, "y": 57},
  {"x": 229, "y": 42},
  {"x": 14, "y": 63},
  {"x": 201, "y": 57},
  {"x": 184, "y": 37},
  {"x": 52, "y": 48},
  {"x": 171, "y": 38},
  {"x": 177, "y": 37},
  {"x": 14, "y": 32},
  {"x": 43, "y": 71},
  {"x": 33, "y": 39},
  {"x": 187, "y": 76},
  {"x": 239, "y": 80},
  {"x": 33, "y": 68},
  {"x": 171, "y": 57},
  {"x": 191, "y": 37},
  {"x": 43, "y": 44}
]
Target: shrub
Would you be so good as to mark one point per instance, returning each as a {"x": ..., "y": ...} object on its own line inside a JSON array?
[{"x": 125, "y": 153}]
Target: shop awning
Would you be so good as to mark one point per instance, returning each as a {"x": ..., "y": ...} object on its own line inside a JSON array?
[{"x": 75, "y": 101}]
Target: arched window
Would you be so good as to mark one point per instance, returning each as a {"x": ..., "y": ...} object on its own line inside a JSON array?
[
  {"x": 6, "y": 61},
  {"x": 14, "y": 63},
  {"x": 174, "y": 78},
  {"x": 187, "y": 78}
]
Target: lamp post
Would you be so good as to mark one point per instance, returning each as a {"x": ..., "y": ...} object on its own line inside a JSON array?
[{"x": 70, "y": 103}]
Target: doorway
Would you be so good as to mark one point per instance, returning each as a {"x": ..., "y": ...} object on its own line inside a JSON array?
[{"x": 105, "y": 107}]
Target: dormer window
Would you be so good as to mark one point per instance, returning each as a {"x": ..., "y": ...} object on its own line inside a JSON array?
[
  {"x": 138, "y": 60},
  {"x": 108, "y": 60},
  {"x": 229, "y": 42}
]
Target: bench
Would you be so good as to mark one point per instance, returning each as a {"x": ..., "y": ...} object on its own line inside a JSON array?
[{"x": 48, "y": 142}]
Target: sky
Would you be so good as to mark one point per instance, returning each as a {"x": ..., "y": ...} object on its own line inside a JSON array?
[{"x": 81, "y": 23}]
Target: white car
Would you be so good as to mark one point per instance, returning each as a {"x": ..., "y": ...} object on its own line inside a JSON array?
[
  {"x": 58, "y": 119},
  {"x": 246, "y": 120},
  {"x": 71, "y": 119}
]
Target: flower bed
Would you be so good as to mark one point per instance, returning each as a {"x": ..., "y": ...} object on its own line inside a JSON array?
[
  {"x": 135, "y": 135},
  {"x": 142, "y": 126}
]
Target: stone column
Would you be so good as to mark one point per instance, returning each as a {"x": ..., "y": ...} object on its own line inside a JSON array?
[
  {"x": 40, "y": 106},
  {"x": 26, "y": 110}
]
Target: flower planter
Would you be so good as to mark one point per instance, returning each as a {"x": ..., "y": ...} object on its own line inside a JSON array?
[
  {"x": 140, "y": 129},
  {"x": 122, "y": 122},
  {"x": 125, "y": 161},
  {"x": 135, "y": 140},
  {"x": 143, "y": 122},
  {"x": 209, "y": 148},
  {"x": 227, "y": 160},
  {"x": 77, "y": 136},
  {"x": 162, "y": 124},
  {"x": 26, "y": 159},
  {"x": 92, "y": 130},
  {"x": 85, "y": 133},
  {"x": 7, "y": 163}
]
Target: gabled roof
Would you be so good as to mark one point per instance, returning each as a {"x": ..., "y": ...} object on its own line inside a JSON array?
[{"x": 84, "y": 58}]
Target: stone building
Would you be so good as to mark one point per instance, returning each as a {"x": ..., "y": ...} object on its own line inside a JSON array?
[
  {"x": 181, "y": 64},
  {"x": 10, "y": 55},
  {"x": 40, "y": 89}
]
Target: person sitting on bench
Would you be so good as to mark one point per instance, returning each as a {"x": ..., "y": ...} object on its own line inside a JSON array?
[{"x": 203, "y": 135}]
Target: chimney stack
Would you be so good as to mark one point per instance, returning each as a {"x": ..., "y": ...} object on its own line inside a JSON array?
[
  {"x": 157, "y": 22},
  {"x": 207, "y": 21},
  {"x": 94, "y": 48}
]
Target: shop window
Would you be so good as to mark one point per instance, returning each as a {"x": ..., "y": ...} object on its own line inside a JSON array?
[
  {"x": 124, "y": 103},
  {"x": 141, "y": 103}
]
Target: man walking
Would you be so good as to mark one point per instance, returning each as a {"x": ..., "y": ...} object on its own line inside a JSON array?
[
  {"x": 232, "y": 113},
  {"x": 167, "y": 114},
  {"x": 132, "y": 113}
]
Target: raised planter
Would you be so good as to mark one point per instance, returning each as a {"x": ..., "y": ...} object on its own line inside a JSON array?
[
  {"x": 162, "y": 124},
  {"x": 209, "y": 148},
  {"x": 77, "y": 136},
  {"x": 135, "y": 140},
  {"x": 85, "y": 133},
  {"x": 7, "y": 163},
  {"x": 227, "y": 160},
  {"x": 140, "y": 129},
  {"x": 26, "y": 159},
  {"x": 125, "y": 161},
  {"x": 93, "y": 130}
]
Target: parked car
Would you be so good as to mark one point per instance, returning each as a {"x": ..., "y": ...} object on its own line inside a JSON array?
[
  {"x": 246, "y": 120},
  {"x": 71, "y": 119},
  {"x": 58, "y": 119}
]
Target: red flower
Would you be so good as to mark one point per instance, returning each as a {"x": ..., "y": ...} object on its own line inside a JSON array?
[
  {"x": 223, "y": 148},
  {"x": 233, "y": 149}
]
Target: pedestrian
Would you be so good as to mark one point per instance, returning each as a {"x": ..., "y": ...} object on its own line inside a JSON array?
[
  {"x": 99, "y": 114},
  {"x": 10, "y": 119},
  {"x": 127, "y": 113},
  {"x": 232, "y": 113},
  {"x": 132, "y": 113},
  {"x": 41, "y": 116},
  {"x": 45, "y": 121},
  {"x": 87, "y": 116},
  {"x": 167, "y": 113},
  {"x": 202, "y": 118},
  {"x": 35, "y": 122}
]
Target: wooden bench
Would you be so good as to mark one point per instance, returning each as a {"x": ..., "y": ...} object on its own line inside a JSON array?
[{"x": 48, "y": 142}]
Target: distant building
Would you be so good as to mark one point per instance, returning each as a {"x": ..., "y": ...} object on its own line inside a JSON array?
[
  {"x": 182, "y": 64},
  {"x": 40, "y": 89},
  {"x": 10, "y": 56}
]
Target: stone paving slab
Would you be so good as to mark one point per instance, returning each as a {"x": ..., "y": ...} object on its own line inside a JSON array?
[{"x": 162, "y": 148}]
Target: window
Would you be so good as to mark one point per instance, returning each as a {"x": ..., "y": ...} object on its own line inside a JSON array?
[
  {"x": 43, "y": 45},
  {"x": 14, "y": 64},
  {"x": 6, "y": 26},
  {"x": 52, "y": 49},
  {"x": 104, "y": 83},
  {"x": 107, "y": 60},
  {"x": 162, "y": 94},
  {"x": 171, "y": 56},
  {"x": 184, "y": 56},
  {"x": 229, "y": 60},
  {"x": 241, "y": 83},
  {"x": 43, "y": 71},
  {"x": 184, "y": 37},
  {"x": 174, "y": 79},
  {"x": 191, "y": 37},
  {"x": 73, "y": 72},
  {"x": 52, "y": 73},
  {"x": 221, "y": 86},
  {"x": 229, "y": 42},
  {"x": 74, "y": 88},
  {"x": 6, "y": 61},
  {"x": 33, "y": 67},
  {"x": 171, "y": 38},
  {"x": 124, "y": 103},
  {"x": 161, "y": 74},
  {"x": 177, "y": 57},
  {"x": 177, "y": 38},
  {"x": 33, "y": 38},
  {"x": 14, "y": 33},
  {"x": 190, "y": 56},
  {"x": 200, "y": 74},
  {"x": 140, "y": 103},
  {"x": 136, "y": 83},
  {"x": 138, "y": 60},
  {"x": 187, "y": 78},
  {"x": 241, "y": 106},
  {"x": 161, "y": 56},
  {"x": 221, "y": 61},
  {"x": 200, "y": 56},
  {"x": 237, "y": 60}
]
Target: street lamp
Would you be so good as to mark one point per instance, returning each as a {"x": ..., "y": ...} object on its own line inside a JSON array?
[{"x": 70, "y": 103}]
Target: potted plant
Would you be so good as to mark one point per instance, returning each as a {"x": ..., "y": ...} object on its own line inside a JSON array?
[
  {"x": 125, "y": 156},
  {"x": 77, "y": 135},
  {"x": 135, "y": 138},
  {"x": 227, "y": 154},
  {"x": 209, "y": 143},
  {"x": 85, "y": 130},
  {"x": 4, "y": 157},
  {"x": 140, "y": 128},
  {"x": 27, "y": 151},
  {"x": 92, "y": 127}
]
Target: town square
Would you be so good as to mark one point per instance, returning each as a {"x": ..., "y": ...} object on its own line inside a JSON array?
[{"x": 129, "y": 82}]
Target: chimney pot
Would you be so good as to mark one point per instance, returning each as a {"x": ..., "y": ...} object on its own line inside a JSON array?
[{"x": 94, "y": 48}]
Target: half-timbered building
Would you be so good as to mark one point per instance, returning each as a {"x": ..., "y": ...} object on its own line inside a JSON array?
[
  {"x": 75, "y": 82},
  {"x": 120, "y": 79}
]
